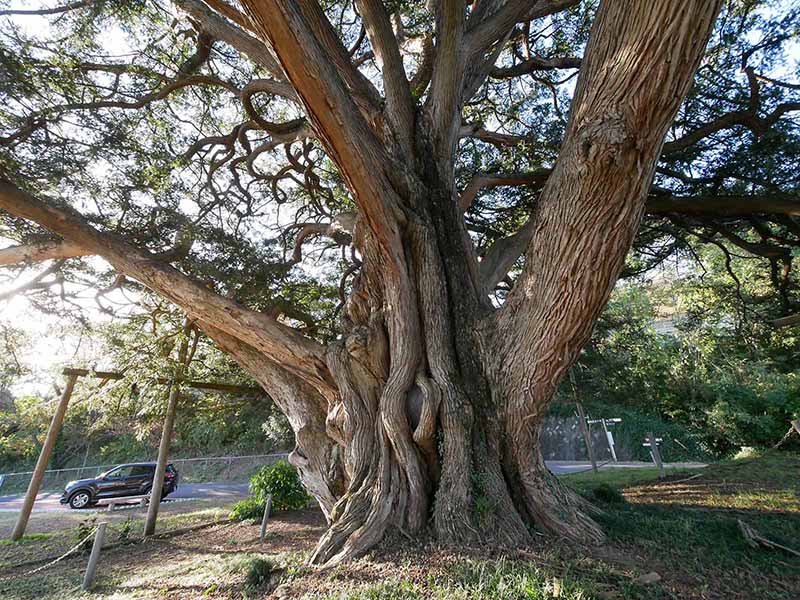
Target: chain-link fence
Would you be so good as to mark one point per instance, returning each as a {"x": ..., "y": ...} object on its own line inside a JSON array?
[{"x": 191, "y": 470}]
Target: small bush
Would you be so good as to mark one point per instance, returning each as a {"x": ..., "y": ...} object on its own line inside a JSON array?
[
  {"x": 282, "y": 481},
  {"x": 279, "y": 479},
  {"x": 258, "y": 572},
  {"x": 247, "y": 509},
  {"x": 81, "y": 531},
  {"x": 606, "y": 493}
]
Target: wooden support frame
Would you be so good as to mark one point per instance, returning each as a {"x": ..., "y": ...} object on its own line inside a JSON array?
[
  {"x": 44, "y": 458},
  {"x": 199, "y": 385},
  {"x": 587, "y": 437},
  {"x": 161, "y": 464},
  {"x": 72, "y": 376}
]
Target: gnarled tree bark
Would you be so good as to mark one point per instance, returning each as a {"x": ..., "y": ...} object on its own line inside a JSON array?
[{"x": 425, "y": 414}]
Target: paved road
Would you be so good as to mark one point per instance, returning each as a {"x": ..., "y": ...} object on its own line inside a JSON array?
[{"x": 49, "y": 501}]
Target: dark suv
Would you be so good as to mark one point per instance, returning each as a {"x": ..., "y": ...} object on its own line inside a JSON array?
[{"x": 134, "y": 479}]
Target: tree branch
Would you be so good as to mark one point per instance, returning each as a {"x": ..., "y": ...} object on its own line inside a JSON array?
[
  {"x": 303, "y": 356},
  {"x": 496, "y": 26},
  {"x": 48, "y": 11},
  {"x": 787, "y": 321},
  {"x": 535, "y": 63},
  {"x": 35, "y": 283},
  {"x": 724, "y": 205},
  {"x": 320, "y": 70},
  {"x": 746, "y": 118},
  {"x": 32, "y": 253},
  {"x": 305, "y": 408},
  {"x": 447, "y": 82},
  {"x": 484, "y": 180},
  {"x": 399, "y": 103},
  {"x": 629, "y": 89},
  {"x": 223, "y": 30}
]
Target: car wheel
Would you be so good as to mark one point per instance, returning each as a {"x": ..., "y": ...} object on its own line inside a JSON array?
[
  {"x": 163, "y": 494},
  {"x": 80, "y": 500}
]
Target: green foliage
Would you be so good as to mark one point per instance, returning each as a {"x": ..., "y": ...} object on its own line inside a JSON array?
[
  {"x": 83, "y": 529},
  {"x": 716, "y": 379},
  {"x": 282, "y": 481},
  {"x": 248, "y": 509},
  {"x": 279, "y": 479},
  {"x": 755, "y": 490}
]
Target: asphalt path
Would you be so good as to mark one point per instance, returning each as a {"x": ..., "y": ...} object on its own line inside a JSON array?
[{"x": 187, "y": 492}]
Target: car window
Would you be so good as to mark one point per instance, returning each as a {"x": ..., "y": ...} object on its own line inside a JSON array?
[
  {"x": 120, "y": 472},
  {"x": 142, "y": 470}
]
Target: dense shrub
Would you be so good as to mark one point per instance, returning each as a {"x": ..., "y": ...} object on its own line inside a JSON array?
[
  {"x": 258, "y": 572},
  {"x": 282, "y": 481},
  {"x": 279, "y": 479}
]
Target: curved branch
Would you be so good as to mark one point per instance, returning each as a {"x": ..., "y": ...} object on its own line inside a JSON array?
[
  {"x": 340, "y": 231},
  {"x": 536, "y": 63},
  {"x": 270, "y": 87},
  {"x": 48, "y": 11},
  {"x": 303, "y": 356},
  {"x": 746, "y": 118},
  {"x": 32, "y": 253}
]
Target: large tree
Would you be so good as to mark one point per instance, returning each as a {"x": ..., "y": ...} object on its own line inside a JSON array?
[{"x": 485, "y": 227}]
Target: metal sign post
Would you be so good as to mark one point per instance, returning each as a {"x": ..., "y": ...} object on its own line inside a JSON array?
[
  {"x": 652, "y": 443},
  {"x": 609, "y": 437}
]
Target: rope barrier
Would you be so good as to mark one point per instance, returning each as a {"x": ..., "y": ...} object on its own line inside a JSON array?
[{"x": 51, "y": 563}]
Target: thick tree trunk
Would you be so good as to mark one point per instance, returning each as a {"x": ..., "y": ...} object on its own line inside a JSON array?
[
  {"x": 417, "y": 421},
  {"x": 441, "y": 400},
  {"x": 425, "y": 415}
]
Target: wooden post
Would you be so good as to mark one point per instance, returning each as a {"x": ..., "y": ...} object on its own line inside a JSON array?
[
  {"x": 161, "y": 464},
  {"x": 44, "y": 458},
  {"x": 656, "y": 454},
  {"x": 94, "y": 557},
  {"x": 587, "y": 438},
  {"x": 265, "y": 518}
]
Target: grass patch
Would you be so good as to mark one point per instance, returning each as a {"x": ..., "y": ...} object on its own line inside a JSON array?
[
  {"x": 503, "y": 579},
  {"x": 27, "y": 539},
  {"x": 690, "y": 525},
  {"x": 619, "y": 477}
]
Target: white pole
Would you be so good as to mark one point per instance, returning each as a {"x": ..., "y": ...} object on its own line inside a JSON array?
[{"x": 610, "y": 440}]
